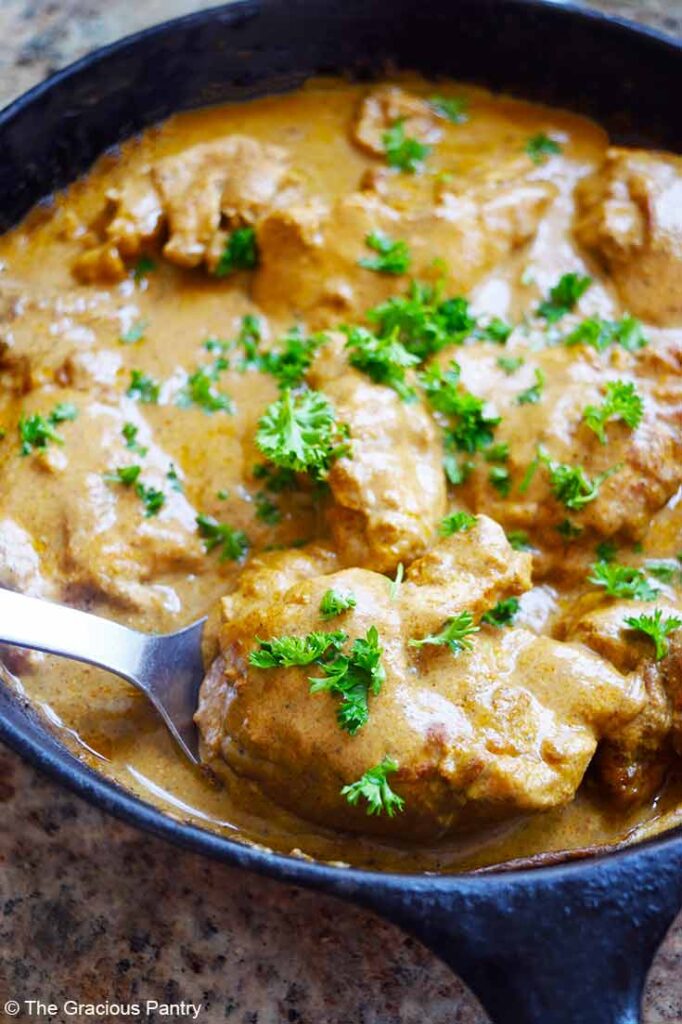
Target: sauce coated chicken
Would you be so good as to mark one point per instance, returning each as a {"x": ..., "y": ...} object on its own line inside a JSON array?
[{"x": 388, "y": 381}]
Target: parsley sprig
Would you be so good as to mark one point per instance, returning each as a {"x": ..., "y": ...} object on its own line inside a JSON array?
[
  {"x": 291, "y": 651},
  {"x": 143, "y": 387},
  {"x": 471, "y": 427},
  {"x": 563, "y": 297},
  {"x": 240, "y": 253},
  {"x": 456, "y": 522},
  {"x": 503, "y": 614},
  {"x": 373, "y": 788},
  {"x": 453, "y": 108},
  {"x": 402, "y": 151},
  {"x": 539, "y": 147},
  {"x": 599, "y": 334},
  {"x": 455, "y": 634},
  {"x": 200, "y": 389},
  {"x": 570, "y": 484},
  {"x": 233, "y": 543},
  {"x": 300, "y": 432},
  {"x": 623, "y": 581},
  {"x": 336, "y": 602},
  {"x": 621, "y": 401},
  {"x": 422, "y": 320},
  {"x": 533, "y": 394},
  {"x": 385, "y": 360},
  {"x": 656, "y": 628},
  {"x": 37, "y": 431},
  {"x": 392, "y": 257}
]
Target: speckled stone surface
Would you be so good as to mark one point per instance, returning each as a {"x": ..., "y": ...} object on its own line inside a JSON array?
[{"x": 91, "y": 910}]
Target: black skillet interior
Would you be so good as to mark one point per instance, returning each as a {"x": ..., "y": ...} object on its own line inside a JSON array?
[{"x": 568, "y": 943}]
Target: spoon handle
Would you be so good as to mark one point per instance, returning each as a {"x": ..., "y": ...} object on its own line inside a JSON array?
[{"x": 167, "y": 669}]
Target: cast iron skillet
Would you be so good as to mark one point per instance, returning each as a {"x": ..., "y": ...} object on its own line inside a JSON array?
[{"x": 557, "y": 944}]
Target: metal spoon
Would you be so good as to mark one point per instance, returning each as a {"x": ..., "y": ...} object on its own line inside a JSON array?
[{"x": 167, "y": 669}]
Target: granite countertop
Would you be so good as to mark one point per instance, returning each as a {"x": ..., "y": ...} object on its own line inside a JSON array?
[{"x": 92, "y": 910}]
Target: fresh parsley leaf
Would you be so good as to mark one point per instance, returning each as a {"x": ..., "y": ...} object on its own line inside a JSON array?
[
  {"x": 291, "y": 651},
  {"x": 373, "y": 788},
  {"x": 135, "y": 332},
  {"x": 143, "y": 387},
  {"x": 403, "y": 152},
  {"x": 240, "y": 253},
  {"x": 455, "y": 634},
  {"x": 657, "y": 628},
  {"x": 233, "y": 543},
  {"x": 266, "y": 510},
  {"x": 200, "y": 389},
  {"x": 570, "y": 484},
  {"x": 497, "y": 452},
  {"x": 456, "y": 470},
  {"x": 152, "y": 499},
  {"x": 173, "y": 479},
  {"x": 533, "y": 394},
  {"x": 622, "y": 581},
  {"x": 563, "y": 297},
  {"x": 145, "y": 265},
  {"x": 599, "y": 334},
  {"x": 37, "y": 431},
  {"x": 352, "y": 677},
  {"x": 510, "y": 364},
  {"x": 500, "y": 479},
  {"x": 299, "y": 432},
  {"x": 496, "y": 331},
  {"x": 454, "y": 108},
  {"x": 568, "y": 530},
  {"x": 422, "y": 321},
  {"x": 385, "y": 360},
  {"x": 666, "y": 572},
  {"x": 392, "y": 258},
  {"x": 471, "y": 427},
  {"x": 503, "y": 614},
  {"x": 606, "y": 551},
  {"x": 621, "y": 401},
  {"x": 335, "y": 603},
  {"x": 519, "y": 540},
  {"x": 541, "y": 146},
  {"x": 289, "y": 363},
  {"x": 275, "y": 478},
  {"x": 126, "y": 475},
  {"x": 130, "y": 432},
  {"x": 457, "y": 522}
]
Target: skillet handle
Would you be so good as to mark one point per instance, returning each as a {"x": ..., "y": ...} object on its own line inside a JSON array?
[{"x": 556, "y": 945}]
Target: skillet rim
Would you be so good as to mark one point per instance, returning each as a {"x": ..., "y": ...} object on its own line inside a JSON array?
[{"x": 61, "y": 765}]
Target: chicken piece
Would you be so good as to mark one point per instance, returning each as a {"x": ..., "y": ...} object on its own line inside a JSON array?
[
  {"x": 389, "y": 496},
  {"x": 311, "y": 252},
  {"x": 198, "y": 195},
  {"x": 632, "y": 764},
  {"x": 644, "y": 464},
  {"x": 380, "y": 110},
  {"x": 20, "y": 566},
  {"x": 104, "y": 544},
  {"x": 506, "y": 728},
  {"x": 630, "y": 218}
]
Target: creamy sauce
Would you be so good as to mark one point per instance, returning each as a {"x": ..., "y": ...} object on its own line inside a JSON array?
[{"x": 105, "y": 721}]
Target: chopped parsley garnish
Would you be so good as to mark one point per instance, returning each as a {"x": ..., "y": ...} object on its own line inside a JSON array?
[
  {"x": 248, "y": 340},
  {"x": 457, "y": 522},
  {"x": 570, "y": 484},
  {"x": 519, "y": 540},
  {"x": 135, "y": 332},
  {"x": 266, "y": 510},
  {"x": 457, "y": 471},
  {"x": 385, "y": 360},
  {"x": 497, "y": 452},
  {"x": 233, "y": 543},
  {"x": 666, "y": 572},
  {"x": 621, "y": 401},
  {"x": 622, "y": 581},
  {"x": 541, "y": 146},
  {"x": 143, "y": 387},
  {"x": 37, "y": 431},
  {"x": 533, "y": 394},
  {"x": 275, "y": 478},
  {"x": 563, "y": 297},
  {"x": 600, "y": 334},
  {"x": 422, "y": 321},
  {"x": 173, "y": 479},
  {"x": 606, "y": 551},
  {"x": 240, "y": 253},
  {"x": 291, "y": 361},
  {"x": 510, "y": 364},
  {"x": 497, "y": 331},
  {"x": 300, "y": 432},
  {"x": 471, "y": 427},
  {"x": 500, "y": 479},
  {"x": 126, "y": 475},
  {"x": 334, "y": 603},
  {"x": 352, "y": 677},
  {"x": 145, "y": 265},
  {"x": 130, "y": 432},
  {"x": 373, "y": 788},
  {"x": 568, "y": 530},
  {"x": 403, "y": 152},
  {"x": 503, "y": 614},
  {"x": 291, "y": 651},
  {"x": 391, "y": 258},
  {"x": 455, "y": 634},
  {"x": 152, "y": 499},
  {"x": 657, "y": 628},
  {"x": 201, "y": 390},
  {"x": 454, "y": 108}
]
